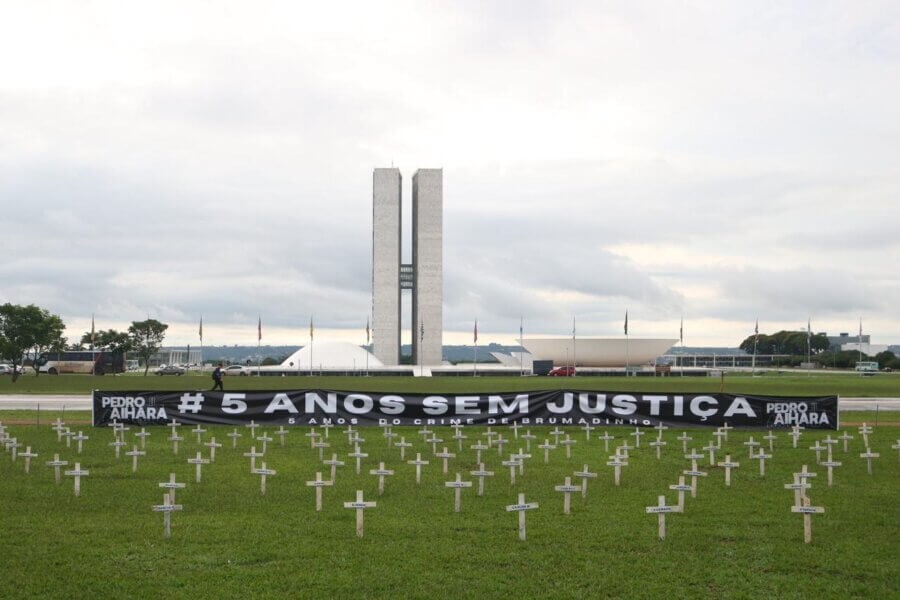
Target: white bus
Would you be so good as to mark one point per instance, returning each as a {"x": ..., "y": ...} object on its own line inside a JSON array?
[
  {"x": 867, "y": 366},
  {"x": 87, "y": 362}
]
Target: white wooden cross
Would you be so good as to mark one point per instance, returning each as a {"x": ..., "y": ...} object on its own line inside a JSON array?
[
  {"x": 313, "y": 435},
  {"x": 660, "y": 428},
  {"x": 319, "y": 484},
  {"x": 457, "y": 486},
  {"x": 478, "y": 447},
  {"x": 770, "y": 437},
  {"x": 556, "y": 433},
  {"x": 500, "y": 442},
  {"x": 459, "y": 436},
  {"x": 761, "y": 456},
  {"x": 388, "y": 434},
  {"x": 567, "y": 489},
  {"x": 528, "y": 436},
  {"x": 173, "y": 424},
  {"x": 175, "y": 438},
  {"x": 360, "y": 505},
  {"x": 481, "y": 474},
  {"x": 418, "y": 462},
  {"x": 358, "y": 455},
  {"x": 520, "y": 507},
  {"x": 830, "y": 464},
  {"x": 681, "y": 488},
  {"x": 719, "y": 434},
  {"x": 212, "y": 445},
  {"x": 795, "y": 435},
  {"x": 864, "y": 430},
  {"x": 253, "y": 455},
  {"x": 546, "y": 447},
  {"x": 77, "y": 473},
  {"x": 263, "y": 472},
  {"x": 265, "y": 439},
  {"x": 382, "y": 473},
  {"x": 513, "y": 464},
  {"x": 515, "y": 429},
  {"x": 56, "y": 464},
  {"x": 234, "y": 435},
  {"x": 403, "y": 445},
  {"x": 694, "y": 473},
  {"x": 606, "y": 438},
  {"x": 58, "y": 426},
  {"x": 81, "y": 438},
  {"x": 281, "y": 432},
  {"x": 28, "y": 455},
  {"x": 349, "y": 432},
  {"x": 617, "y": 463},
  {"x": 568, "y": 443},
  {"x": 172, "y": 485},
  {"x": 807, "y": 511},
  {"x": 658, "y": 443},
  {"x": 520, "y": 456},
  {"x": 118, "y": 444},
  {"x": 434, "y": 441},
  {"x": 584, "y": 474},
  {"x": 425, "y": 432},
  {"x": 252, "y": 425},
  {"x": 199, "y": 461},
  {"x": 752, "y": 445},
  {"x": 142, "y": 434},
  {"x": 134, "y": 454},
  {"x": 637, "y": 433},
  {"x": 869, "y": 455},
  {"x": 661, "y": 509},
  {"x": 334, "y": 463},
  {"x": 728, "y": 465},
  {"x": 198, "y": 431},
  {"x": 356, "y": 439},
  {"x": 167, "y": 508},
  {"x": 726, "y": 428},
  {"x": 845, "y": 437},
  {"x": 587, "y": 429},
  {"x": 817, "y": 447},
  {"x": 321, "y": 447},
  {"x": 325, "y": 426},
  {"x": 711, "y": 448},
  {"x": 830, "y": 443},
  {"x": 684, "y": 438},
  {"x": 445, "y": 456},
  {"x": 68, "y": 434},
  {"x": 12, "y": 444},
  {"x": 799, "y": 486}
]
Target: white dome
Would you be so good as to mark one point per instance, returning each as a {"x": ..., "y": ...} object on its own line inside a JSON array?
[
  {"x": 331, "y": 355},
  {"x": 598, "y": 352}
]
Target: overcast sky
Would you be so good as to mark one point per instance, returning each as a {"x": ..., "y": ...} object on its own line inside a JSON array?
[{"x": 720, "y": 161}]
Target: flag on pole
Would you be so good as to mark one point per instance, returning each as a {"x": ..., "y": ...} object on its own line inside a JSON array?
[
  {"x": 573, "y": 326},
  {"x": 809, "y": 329},
  {"x": 475, "y": 333},
  {"x": 93, "y": 334},
  {"x": 201, "y": 330},
  {"x": 681, "y": 331},
  {"x": 421, "y": 330},
  {"x": 626, "y": 322},
  {"x": 521, "y": 328},
  {"x": 311, "y": 329},
  {"x": 367, "y": 330},
  {"x": 860, "y": 330},
  {"x": 259, "y": 329},
  {"x": 756, "y": 332}
]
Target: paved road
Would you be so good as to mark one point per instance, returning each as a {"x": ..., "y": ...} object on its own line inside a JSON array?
[{"x": 83, "y": 402}]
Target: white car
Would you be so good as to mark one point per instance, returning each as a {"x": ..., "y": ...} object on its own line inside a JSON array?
[
  {"x": 235, "y": 370},
  {"x": 6, "y": 370}
]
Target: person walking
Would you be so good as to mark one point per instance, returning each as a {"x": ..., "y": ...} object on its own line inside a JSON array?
[{"x": 217, "y": 378}]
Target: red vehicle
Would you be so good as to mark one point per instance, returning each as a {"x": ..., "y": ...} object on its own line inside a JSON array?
[{"x": 562, "y": 372}]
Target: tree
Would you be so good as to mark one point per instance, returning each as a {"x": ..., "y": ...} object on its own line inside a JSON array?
[
  {"x": 885, "y": 359},
  {"x": 146, "y": 338},
  {"x": 786, "y": 342},
  {"x": 110, "y": 340},
  {"x": 28, "y": 332}
]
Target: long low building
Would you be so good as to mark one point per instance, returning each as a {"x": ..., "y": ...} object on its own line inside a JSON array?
[{"x": 598, "y": 352}]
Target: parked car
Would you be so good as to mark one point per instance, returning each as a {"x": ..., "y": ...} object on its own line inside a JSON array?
[
  {"x": 235, "y": 370},
  {"x": 6, "y": 370},
  {"x": 170, "y": 370},
  {"x": 562, "y": 372}
]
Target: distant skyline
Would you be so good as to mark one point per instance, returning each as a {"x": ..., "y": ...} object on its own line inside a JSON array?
[{"x": 721, "y": 162}]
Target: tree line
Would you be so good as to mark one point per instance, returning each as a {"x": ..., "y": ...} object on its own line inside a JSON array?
[
  {"x": 29, "y": 332},
  {"x": 793, "y": 344}
]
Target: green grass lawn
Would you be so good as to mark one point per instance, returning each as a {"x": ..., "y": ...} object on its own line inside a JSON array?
[
  {"x": 882, "y": 385},
  {"x": 230, "y": 541}
]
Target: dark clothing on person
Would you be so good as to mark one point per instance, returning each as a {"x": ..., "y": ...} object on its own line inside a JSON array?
[{"x": 217, "y": 379}]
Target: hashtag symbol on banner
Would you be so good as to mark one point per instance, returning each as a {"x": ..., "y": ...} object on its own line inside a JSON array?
[{"x": 190, "y": 403}]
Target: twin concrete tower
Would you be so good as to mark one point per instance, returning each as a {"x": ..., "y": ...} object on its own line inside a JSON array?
[{"x": 424, "y": 276}]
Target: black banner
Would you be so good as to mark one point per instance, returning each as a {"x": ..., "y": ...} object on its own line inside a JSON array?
[{"x": 554, "y": 407}]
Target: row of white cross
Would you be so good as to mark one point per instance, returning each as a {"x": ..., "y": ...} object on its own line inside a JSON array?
[{"x": 515, "y": 461}]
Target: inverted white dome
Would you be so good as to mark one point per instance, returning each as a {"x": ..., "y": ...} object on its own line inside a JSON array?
[
  {"x": 331, "y": 355},
  {"x": 598, "y": 352}
]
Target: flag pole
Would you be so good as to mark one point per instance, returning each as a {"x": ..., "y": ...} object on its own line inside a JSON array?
[
  {"x": 201, "y": 344},
  {"x": 310, "y": 346},
  {"x": 258, "y": 342},
  {"x": 627, "y": 359},
  {"x": 521, "y": 347},
  {"x": 574, "y": 355},
  {"x": 755, "y": 342},
  {"x": 367, "y": 346},
  {"x": 475, "y": 352},
  {"x": 681, "y": 339}
]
